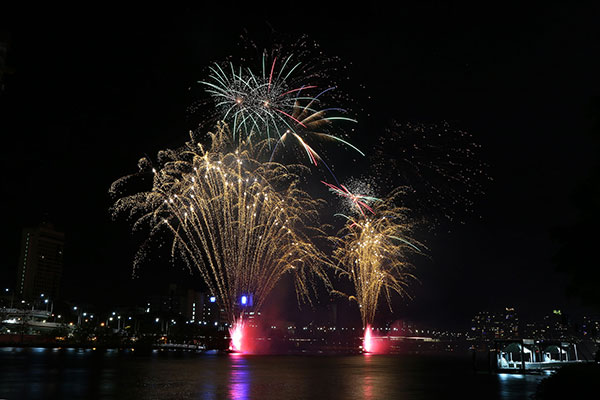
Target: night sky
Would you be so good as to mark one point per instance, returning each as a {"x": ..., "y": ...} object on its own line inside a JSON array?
[{"x": 91, "y": 91}]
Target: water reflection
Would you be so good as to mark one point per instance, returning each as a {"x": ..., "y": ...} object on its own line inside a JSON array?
[
  {"x": 64, "y": 374},
  {"x": 368, "y": 378},
  {"x": 512, "y": 385},
  {"x": 239, "y": 378}
]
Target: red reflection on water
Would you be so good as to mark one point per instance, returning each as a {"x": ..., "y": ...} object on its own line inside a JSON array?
[{"x": 368, "y": 389}]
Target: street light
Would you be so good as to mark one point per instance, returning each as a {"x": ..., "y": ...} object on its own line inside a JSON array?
[{"x": 78, "y": 315}]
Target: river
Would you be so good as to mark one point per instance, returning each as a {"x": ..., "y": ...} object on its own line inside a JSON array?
[{"x": 38, "y": 373}]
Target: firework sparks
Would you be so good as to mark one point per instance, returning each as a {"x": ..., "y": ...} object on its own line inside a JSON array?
[
  {"x": 368, "y": 340},
  {"x": 237, "y": 334},
  {"x": 357, "y": 202},
  {"x": 440, "y": 164},
  {"x": 373, "y": 251},
  {"x": 271, "y": 104},
  {"x": 241, "y": 223}
]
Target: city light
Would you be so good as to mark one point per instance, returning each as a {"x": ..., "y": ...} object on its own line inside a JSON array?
[
  {"x": 213, "y": 299},
  {"x": 244, "y": 300}
]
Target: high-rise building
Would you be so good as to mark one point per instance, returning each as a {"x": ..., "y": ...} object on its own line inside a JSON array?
[
  {"x": 557, "y": 325},
  {"x": 186, "y": 304},
  {"x": 500, "y": 325},
  {"x": 509, "y": 323},
  {"x": 41, "y": 262}
]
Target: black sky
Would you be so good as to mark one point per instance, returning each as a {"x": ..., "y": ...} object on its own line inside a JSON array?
[{"x": 94, "y": 90}]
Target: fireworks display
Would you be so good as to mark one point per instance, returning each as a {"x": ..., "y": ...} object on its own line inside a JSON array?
[
  {"x": 374, "y": 252},
  {"x": 275, "y": 104},
  {"x": 368, "y": 345},
  {"x": 241, "y": 223},
  {"x": 439, "y": 164},
  {"x": 237, "y": 335},
  {"x": 357, "y": 196}
]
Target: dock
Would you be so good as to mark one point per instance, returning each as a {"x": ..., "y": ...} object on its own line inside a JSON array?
[{"x": 524, "y": 356}]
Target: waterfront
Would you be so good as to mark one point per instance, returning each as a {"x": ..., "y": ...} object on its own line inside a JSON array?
[{"x": 37, "y": 373}]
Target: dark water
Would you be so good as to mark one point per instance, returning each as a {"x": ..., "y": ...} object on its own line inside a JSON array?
[{"x": 87, "y": 374}]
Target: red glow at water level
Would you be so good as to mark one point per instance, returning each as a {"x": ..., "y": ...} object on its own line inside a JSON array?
[
  {"x": 374, "y": 343},
  {"x": 237, "y": 334},
  {"x": 368, "y": 340}
]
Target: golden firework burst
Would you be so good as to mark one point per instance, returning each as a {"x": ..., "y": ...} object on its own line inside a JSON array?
[
  {"x": 373, "y": 251},
  {"x": 240, "y": 222}
]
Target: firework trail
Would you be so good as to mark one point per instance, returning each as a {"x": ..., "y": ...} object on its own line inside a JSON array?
[
  {"x": 241, "y": 223},
  {"x": 440, "y": 164},
  {"x": 373, "y": 251}
]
